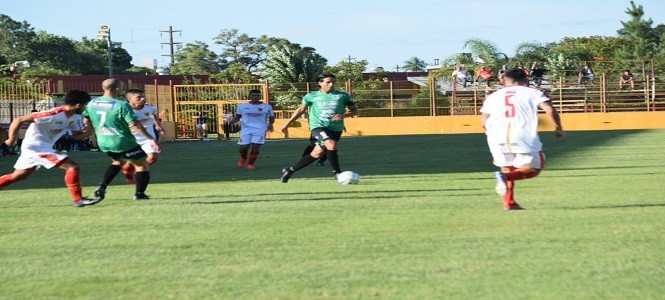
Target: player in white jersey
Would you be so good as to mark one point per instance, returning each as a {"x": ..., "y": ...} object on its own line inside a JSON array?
[
  {"x": 256, "y": 118},
  {"x": 146, "y": 115},
  {"x": 37, "y": 147},
  {"x": 510, "y": 119}
]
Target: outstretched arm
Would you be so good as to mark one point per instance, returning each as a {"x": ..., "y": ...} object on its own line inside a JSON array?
[{"x": 15, "y": 126}]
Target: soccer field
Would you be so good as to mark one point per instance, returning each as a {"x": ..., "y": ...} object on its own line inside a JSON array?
[{"x": 424, "y": 223}]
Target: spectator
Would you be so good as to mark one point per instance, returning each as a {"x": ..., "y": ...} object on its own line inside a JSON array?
[
  {"x": 625, "y": 78},
  {"x": 485, "y": 74},
  {"x": 537, "y": 74},
  {"x": 585, "y": 74},
  {"x": 461, "y": 75},
  {"x": 202, "y": 124}
]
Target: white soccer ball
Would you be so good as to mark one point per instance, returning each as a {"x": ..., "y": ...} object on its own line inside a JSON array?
[{"x": 348, "y": 177}]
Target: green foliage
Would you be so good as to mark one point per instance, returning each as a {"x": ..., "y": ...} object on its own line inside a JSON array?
[
  {"x": 487, "y": 52},
  {"x": 414, "y": 64},
  {"x": 287, "y": 63},
  {"x": 196, "y": 59}
]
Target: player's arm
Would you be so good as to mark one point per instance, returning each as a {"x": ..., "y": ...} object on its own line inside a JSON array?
[
  {"x": 271, "y": 121},
  {"x": 235, "y": 119},
  {"x": 484, "y": 119},
  {"x": 15, "y": 126},
  {"x": 296, "y": 114},
  {"x": 158, "y": 124},
  {"x": 138, "y": 127},
  {"x": 352, "y": 110},
  {"x": 551, "y": 112}
]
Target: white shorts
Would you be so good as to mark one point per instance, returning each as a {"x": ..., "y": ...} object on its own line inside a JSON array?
[
  {"x": 202, "y": 127},
  {"x": 536, "y": 159},
  {"x": 252, "y": 137},
  {"x": 30, "y": 159},
  {"x": 147, "y": 147}
]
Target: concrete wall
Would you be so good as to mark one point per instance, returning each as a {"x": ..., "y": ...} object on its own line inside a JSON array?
[{"x": 471, "y": 124}]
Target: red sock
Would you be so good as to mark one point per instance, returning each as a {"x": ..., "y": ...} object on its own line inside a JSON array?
[
  {"x": 518, "y": 175},
  {"x": 252, "y": 157},
  {"x": 6, "y": 180},
  {"x": 243, "y": 154},
  {"x": 74, "y": 184},
  {"x": 128, "y": 171},
  {"x": 508, "y": 198}
]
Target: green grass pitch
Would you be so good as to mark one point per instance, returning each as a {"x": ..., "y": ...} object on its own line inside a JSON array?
[{"x": 424, "y": 223}]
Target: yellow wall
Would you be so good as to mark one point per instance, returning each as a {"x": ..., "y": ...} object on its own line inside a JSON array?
[{"x": 471, "y": 124}]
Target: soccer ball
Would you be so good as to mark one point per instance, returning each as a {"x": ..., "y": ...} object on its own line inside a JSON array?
[{"x": 348, "y": 177}]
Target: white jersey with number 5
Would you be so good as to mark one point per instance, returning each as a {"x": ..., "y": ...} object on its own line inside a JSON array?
[{"x": 512, "y": 126}]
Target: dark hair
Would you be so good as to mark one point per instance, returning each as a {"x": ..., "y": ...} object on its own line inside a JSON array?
[
  {"x": 254, "y": 91},
  {"x": 74, "y": 97},
  {"x": 325, "y": 75},
  {"x": 134, "y": 91},
  {"x": 516, "y": 75}
]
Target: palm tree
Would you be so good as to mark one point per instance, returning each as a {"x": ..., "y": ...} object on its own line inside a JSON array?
[
  {"x": 414, "y": 64},
  {"x": 486, "y": 52}
]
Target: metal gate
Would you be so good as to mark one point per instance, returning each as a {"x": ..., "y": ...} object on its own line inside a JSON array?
[{"x": 218, "y": 101}]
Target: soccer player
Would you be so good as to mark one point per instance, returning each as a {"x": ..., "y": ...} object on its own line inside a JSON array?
[
  {"x": 510, "y": 119},
  {"x": 113, "y": 120},
  {"x": 327, "y": 110},
  {"x": 37, "y": 147},
  {"x": 146, "y": 114},
  {"x": 256, "y": 118}
]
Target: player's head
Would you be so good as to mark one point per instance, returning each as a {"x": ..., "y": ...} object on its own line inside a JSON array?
[
  {"x": 326, "y": 81},
  {"x": 254, "y": 96},
  {"x": 77, "y": 99},
  {"x": 113, "y": 86},
  {"x": 515, "y": 76},
  {"x": 136, "y": 98}
]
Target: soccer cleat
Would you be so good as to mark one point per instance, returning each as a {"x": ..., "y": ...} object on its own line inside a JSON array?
[
  {"x": 241, "y": 163},
  {"x": 141, "y": 196},
  {"x": 100, "y": 193},
  {"x": 249, "y": 167},
  {"x": 85, "y": 201},
  {"x": 512, "y": 207},
  {"x": 500, "y": 188},
  {"x": 286, "y": 174}
]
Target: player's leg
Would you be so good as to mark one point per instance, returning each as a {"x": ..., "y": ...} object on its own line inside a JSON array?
[
  {"x": 142, "y": 178},
  {"x": 244, "y": 141},
  {"x": 73, "y": 182},
  {"x": 128, "y": 170},
  {"x": 305, "y": 160},
  {"x": 526, "y": 166},
  {"x": 258, "y": 139},
  {"x": 505, "y": 187},
  {"x": 16, "y": 176},
  {"x": 330, "y": 145}
]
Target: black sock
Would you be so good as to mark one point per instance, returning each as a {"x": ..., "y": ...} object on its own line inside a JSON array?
[
  {"x": 142, "y": 180},
  {"x": 303, "y": 162},
  {"x": 110, "y": 173},
  {"x": 308, "y": 150},
  {"x": 334, "y": 162},
  {"x": 323, "y": 157}
]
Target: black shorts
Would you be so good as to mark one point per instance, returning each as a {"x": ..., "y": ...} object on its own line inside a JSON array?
[
  {"x": 135, "y": 153},
  {"x": 323, "y": 134}
]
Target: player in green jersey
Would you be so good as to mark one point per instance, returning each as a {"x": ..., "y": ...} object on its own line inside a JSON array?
[
  {"x": 113, "y": 120},
  {"x": 327, "y": 111}
]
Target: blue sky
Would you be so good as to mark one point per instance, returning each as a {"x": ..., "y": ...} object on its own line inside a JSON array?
[{"x": 383, "y": 32}]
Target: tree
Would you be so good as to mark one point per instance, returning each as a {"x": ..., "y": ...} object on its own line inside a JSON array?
[
  {"x": 246, "y": 50},
  {"x": 48, "y": 51},
  {"x": 486, "y": 53},
  {"x": 14, "y": 40},
  {"x": 414, "y": 64},
  {"x": 641, "y": 40},
  {"x": 291, "y": 64},
  {"x": 196, "y": 59}
]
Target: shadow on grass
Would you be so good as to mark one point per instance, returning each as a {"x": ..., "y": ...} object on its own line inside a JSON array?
[{"x": 214, "y": 161}]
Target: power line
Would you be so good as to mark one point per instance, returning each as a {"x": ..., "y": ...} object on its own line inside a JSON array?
[{"x": 171, "y": 43}]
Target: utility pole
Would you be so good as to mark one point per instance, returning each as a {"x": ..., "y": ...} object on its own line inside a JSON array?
[
  {"x": 171, "y": 43},
  {"x": 350, "y": 58}
]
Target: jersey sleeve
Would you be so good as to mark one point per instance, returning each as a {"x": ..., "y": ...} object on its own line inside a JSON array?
[{"x": 306, "y": 100}]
